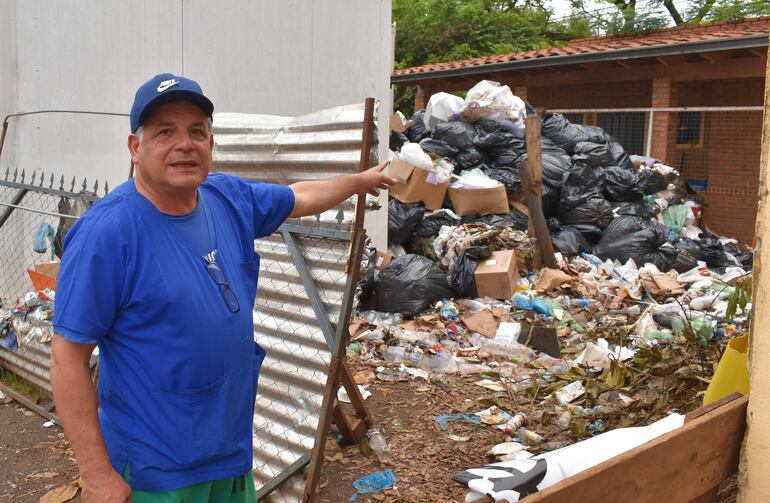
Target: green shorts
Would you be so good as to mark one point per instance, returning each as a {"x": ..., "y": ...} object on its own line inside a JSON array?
[{"x": 231, "y": 490}]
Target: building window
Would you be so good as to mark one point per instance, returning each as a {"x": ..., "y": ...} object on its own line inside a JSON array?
[
  {"x": 626, "y": 127},
  {"x": 689, "y": 129}
]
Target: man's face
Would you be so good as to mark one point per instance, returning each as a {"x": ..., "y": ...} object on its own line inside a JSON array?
[{"x": 174, "y": 156}]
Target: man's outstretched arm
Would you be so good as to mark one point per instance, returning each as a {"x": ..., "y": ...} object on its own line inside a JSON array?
[
  {"x": 76, "y": 405},
  {"x": 312, "y": 198}
]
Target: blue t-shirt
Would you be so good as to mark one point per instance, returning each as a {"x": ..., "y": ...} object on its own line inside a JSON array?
[
  {"x": 178, "y": 369},
  {"x": 194, "y": 229}
]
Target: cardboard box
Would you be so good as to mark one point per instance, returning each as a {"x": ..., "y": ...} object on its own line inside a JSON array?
[
  {"x": 382, "y": 260},
  {"x": 397, "y": 123},
  {"x": 44, "y": 275},
  {"x": 481, "y": 201},
  {"x": 496, "y": 276},
  {"x": 417, "y": 185}
]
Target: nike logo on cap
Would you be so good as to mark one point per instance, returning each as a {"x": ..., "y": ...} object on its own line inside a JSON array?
[{"x": 166, "y": 84}]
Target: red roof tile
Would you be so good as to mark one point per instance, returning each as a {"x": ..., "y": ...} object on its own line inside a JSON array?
[{"x": 667, "y": 36}]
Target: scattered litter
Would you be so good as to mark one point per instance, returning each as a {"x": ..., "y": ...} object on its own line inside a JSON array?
[
  {"x": 374, "y": 483},
  {"x": 443, "y": 420}
]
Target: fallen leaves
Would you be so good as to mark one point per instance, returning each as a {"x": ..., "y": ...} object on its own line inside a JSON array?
[{"x": 61, "y": 494}]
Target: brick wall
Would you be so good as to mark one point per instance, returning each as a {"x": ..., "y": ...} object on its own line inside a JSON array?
[{"x": 596, "y": 95}]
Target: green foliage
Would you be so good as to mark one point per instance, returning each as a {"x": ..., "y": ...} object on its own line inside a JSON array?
[{"x": 740, "y": 297}]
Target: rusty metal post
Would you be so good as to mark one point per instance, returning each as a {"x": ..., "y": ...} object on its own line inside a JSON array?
[{"x": 531, "y": 172}]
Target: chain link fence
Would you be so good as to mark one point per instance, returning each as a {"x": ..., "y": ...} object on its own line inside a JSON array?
[
  {"x": 299, "y": 269},
  {"x": 715, "y": 149},
  {"x": 35, "y": 214}
]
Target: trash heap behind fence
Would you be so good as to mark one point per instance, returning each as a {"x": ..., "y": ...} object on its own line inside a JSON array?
[{"x": 35, "y": 213}]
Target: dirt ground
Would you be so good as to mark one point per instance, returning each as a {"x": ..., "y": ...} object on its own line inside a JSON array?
[{"x": 33, "y": 459}]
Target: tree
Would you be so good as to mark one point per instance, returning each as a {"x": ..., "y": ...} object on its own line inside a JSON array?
[{"x": 432, "y": 31}]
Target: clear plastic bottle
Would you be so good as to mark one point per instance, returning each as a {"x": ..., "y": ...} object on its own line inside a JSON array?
[{"x": 378, "y": 444}]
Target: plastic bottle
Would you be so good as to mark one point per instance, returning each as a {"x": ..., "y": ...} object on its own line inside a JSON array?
[
  {"x": 592, "y": 259},
  {"x": 633, "y": 310},
  {"x": 515, "y": 423},
  {"x": 564, "y": 419},
  {"x": 378, "y": 444},
  {"x": 530, "y": 435},
  {"x": 394, "y": 353}
]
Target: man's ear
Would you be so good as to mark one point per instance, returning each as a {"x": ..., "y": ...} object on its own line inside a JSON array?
[{"x": 133, "y": 148}]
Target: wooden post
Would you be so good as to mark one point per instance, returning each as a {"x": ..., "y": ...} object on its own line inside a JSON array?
[
  {"x": 531, "y": 173},
  {"x": 755, "y": 462}
]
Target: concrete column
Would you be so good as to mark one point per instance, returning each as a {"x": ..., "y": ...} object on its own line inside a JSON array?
[
  {"x": 755, "y": 461},
  {"x": 664, "y": 124}
]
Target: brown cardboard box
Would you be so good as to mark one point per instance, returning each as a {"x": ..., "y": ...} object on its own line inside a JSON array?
[
  {"x": 496, "y": 276},
  {"x": 397, "y": 124},
  {"x": 481, "y": 201},
  {"x": 44, "y": 275},
  {"x": 417, "y": 185},
  {"x": 382, "y": 260}
]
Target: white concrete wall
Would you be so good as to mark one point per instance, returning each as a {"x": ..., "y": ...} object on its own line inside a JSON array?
[{"x": 257, "y": 56}]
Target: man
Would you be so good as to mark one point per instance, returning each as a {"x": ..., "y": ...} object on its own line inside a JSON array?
[{"x": 161, "y": 274}]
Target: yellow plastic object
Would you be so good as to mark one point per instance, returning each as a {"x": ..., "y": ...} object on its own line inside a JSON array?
[{"x": 732, "y": 373}]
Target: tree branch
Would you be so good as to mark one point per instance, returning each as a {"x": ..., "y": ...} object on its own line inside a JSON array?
[
  {"x": 704, "y": 9},
  {"x": 671, "y": 8}
]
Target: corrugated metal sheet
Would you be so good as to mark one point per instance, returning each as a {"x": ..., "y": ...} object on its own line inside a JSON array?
[
  {"x": 31, "y": 362},
  {"x": 284, "y": 150}
]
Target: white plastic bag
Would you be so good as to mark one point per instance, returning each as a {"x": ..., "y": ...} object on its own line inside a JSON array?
[
  {"x": 412, "y": 153},
  {"x": 490, "y": 100},
  {"x": 441, "y": 107}
]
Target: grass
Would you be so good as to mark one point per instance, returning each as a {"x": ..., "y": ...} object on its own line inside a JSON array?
[{"x": 18, "y": 384}]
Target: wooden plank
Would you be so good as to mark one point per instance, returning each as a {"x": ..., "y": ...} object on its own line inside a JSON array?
[{"x": 680, "y": 466}]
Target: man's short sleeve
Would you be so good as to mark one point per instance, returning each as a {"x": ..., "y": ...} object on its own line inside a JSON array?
[
  {"x": 271, "y": 204},
  {"x": 90, "y": 281}
]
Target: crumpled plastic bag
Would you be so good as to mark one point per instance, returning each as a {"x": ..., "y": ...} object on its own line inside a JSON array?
[
  {"x": 458, "y": 134},
  {"x": 441, "y": 107},
  {"x": 643, "y": 246},
  {"x": 490, "y": 100},
  {"x": 556, "y": 162},
  {"x": 462, "y": 278},
  {"x": 470, "y": 158},
  {"x": 508, "y": 177},
  {"x": 431, "y": 224},
  {"x": 403, "y": 220},
  {"x": 412, "y": 153},
  {"x": 438, "y": 147},
  {"x": 568, "y": 240},
  {"x": 409, "y": 285},
  {"x": 494, "y": 137},
  {"x": 566, "y": 135},
  {"x": 417, "y": 131}
]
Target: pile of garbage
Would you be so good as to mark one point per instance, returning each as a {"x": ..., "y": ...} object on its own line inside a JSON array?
[
  {"x": 627, "y": 330},
  {"x": 28, "y": 320}
]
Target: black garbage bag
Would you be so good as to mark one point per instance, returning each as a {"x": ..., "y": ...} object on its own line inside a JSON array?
[
  {"x": 593, "y": 211},
  {"x": 469, "y": 158},
  {"x": 556, "y": 163},
  {"x": 622, "y": 159},
  {"x": 651, "y": 182},
  {"x": 458, "y": 134},
  {"x": 645, "y": 245},
  {"x": 505, "y": 160},
  {"x": 550, "y": 200},
  {"x": 397, "y": 140},
  {"x": 367, "y": 282},
  {"x": 623, "y": 225},
  {"x": 593, "y": 154},
  {"x": 417, "y": 131},
  {"x": 461, "y": 278},
  {"x": 579, "y": 185},
  {"x": 684, "y": 262},
  {"x": 590, "y": 233},
  {"x": 433, "y": 222},
  {"x": 743, "y": 255},
  {"x": 566, "y": 135},
  {"x": 514, "y": 219},
  {"x": 567, "y": 240},
  {"x": 621, "y": 184},
  {"x": 403, "y": 219},
  {"x": 409, "y": 285},
  {"x": 634, "y": 208},
  {"x": 708, "y": 249},
  {"x": 438, "y": 147},
  {"x": 508, "y": 177},
  {"x": 496, "y": 138}
]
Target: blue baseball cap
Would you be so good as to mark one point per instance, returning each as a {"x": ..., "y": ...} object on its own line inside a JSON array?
[{"x": 163, "y": 88}]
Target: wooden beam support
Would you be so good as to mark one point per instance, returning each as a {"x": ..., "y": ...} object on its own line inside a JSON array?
[
  {"x": 706, "y": 58},
  {"x": 683, "y": 465},
  {"x": 758, "y": 53},
  {"x": 623, "y": 64},
  {"x": 755, "y": 484},
  {"x": 662, "y": 61}
]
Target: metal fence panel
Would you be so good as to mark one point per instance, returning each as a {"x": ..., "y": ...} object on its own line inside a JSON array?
[
  {"x": 286, "y": 150},
  {"x": 25, "y": 210}
]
